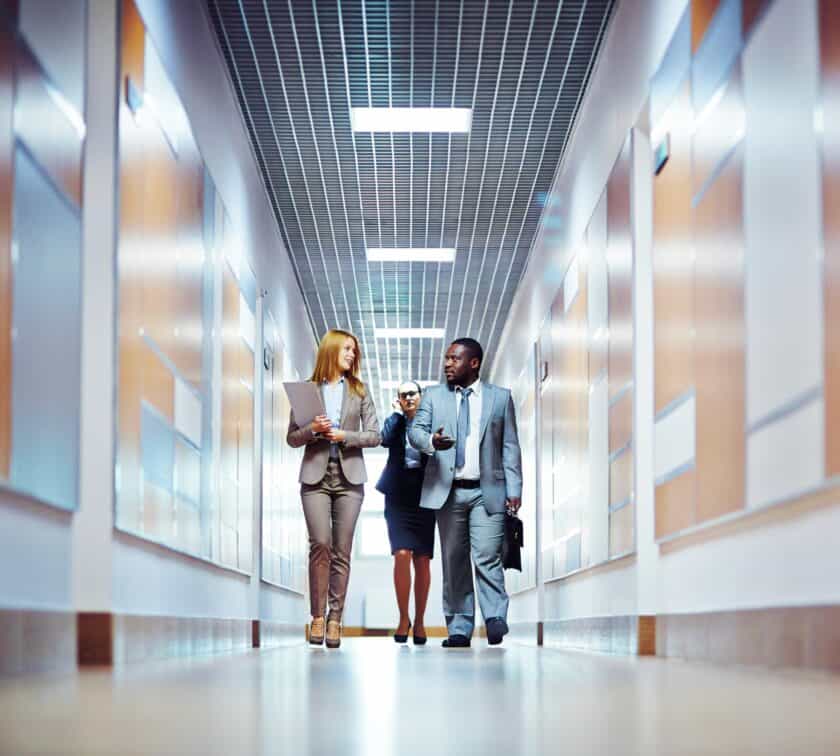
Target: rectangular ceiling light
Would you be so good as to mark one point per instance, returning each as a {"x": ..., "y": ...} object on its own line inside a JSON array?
[
  {"x": 394, "y": 385},
  {"x": 408, "y": 333},
  {"x": 411, "y": 254},
  {"x": 423, "y": 120}
]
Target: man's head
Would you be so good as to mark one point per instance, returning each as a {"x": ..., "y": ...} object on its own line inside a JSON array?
[
  {"x": 462, "y": 362},
  {"x": 408, "y": 395}
]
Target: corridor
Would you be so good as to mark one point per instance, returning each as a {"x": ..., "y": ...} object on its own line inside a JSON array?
[{"x": 372, "y": 697}]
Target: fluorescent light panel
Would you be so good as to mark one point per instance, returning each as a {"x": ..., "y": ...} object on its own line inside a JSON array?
[
  {"x": 408, "y": 333},
  {"x": 411, "y": 254},
  {"x": 394, "y": 385},
  {"x": 422, "y": 120}
]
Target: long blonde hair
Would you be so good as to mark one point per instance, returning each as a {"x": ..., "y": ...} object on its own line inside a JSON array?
[{"x": 326, "y": 363}]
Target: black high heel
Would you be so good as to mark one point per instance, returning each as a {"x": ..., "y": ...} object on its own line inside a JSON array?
[
  {"x": 419, "y": 640},
  {"x": 402, "y": 638}
]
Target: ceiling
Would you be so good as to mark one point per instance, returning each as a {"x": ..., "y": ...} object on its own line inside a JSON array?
[{"x": 298, "y": 68}]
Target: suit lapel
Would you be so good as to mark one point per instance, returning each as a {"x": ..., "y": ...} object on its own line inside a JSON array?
[
  {"x": 345, "y": 403},
  {"x": 487, "y": 402},
  {"x": 450, "y": 425}
]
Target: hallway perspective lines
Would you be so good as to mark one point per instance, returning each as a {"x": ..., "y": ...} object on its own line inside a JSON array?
[{"x": 381, "y": 699}]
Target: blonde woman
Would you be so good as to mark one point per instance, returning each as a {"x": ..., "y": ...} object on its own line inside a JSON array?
[{"x": 332, "y": 477}]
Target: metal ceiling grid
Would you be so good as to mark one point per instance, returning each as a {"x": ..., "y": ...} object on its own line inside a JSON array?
[{"x": 299, "y": 67}]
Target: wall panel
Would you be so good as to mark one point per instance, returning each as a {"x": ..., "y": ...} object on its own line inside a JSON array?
[
  {"x": 675, "y": 504},
  {"x": 673, "y": 265},
  {"x": 782, "y": 212},
  {"x": 829, "y": 24},
  {"x": 620, "y": 273},
  {"x": 720, "y": 371},
  {"x": 6, "y": 284}
]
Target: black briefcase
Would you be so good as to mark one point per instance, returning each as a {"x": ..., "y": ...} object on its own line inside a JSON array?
[{"x": 512, "y": 544}]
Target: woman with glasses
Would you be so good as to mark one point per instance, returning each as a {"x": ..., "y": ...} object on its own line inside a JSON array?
[
  {"x": 411, "y": 530},
  {"x": 332, "y": 476}
]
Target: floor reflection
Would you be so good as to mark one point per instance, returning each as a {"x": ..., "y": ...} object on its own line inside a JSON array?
[{"x": 373, "y": 697}]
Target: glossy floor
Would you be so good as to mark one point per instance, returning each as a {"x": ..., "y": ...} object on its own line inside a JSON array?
[{"x": 372, "y": 697}]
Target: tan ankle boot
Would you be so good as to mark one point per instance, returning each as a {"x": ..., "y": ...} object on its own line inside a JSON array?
[
  {"x": 316, "y": 631},
  {"x": 333, "y": 633}
]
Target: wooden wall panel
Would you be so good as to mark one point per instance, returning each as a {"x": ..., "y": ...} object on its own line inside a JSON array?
[
  {"x": 751, "y": 11},
  {"x": 621, "y": 477},
  {"x": 187, "y": 349},
  {"x": 829, "y": 17},
  {"x": 6, "y": 183},
  {"x": 158, "y": 384},
  {"x": 720, "y": 366},
  {"x": 623, "y": 530},
  {"x": 133, "y": 47},
  {"x": 673, "y": 267},
  {"x": 545, "y": 441},
  {"x": 621, "y": 422},
  {"x": 675, "y": 504},
  {"x": 571, "y": 449},
  {"x": 158, "y": 512},
  {"x": 702, "y": 13},
  {"x": 49, "y": 135},
  {"x": 620, "y": 273}
]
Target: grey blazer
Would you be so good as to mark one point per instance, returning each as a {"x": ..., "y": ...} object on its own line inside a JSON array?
[
  {"x": 500, "y": 459},
  {"x": 359, "y": 423}
]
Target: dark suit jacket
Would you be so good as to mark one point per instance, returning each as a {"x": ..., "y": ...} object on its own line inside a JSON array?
[{"x": 393, "y": 479}]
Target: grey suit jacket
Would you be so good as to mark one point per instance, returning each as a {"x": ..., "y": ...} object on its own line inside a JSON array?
[
  {"x": 359, "y": 423},
  {"x": 500, "y": 459}
]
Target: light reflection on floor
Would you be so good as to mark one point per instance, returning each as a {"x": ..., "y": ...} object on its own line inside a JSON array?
[{"x": 373, "y": 697}]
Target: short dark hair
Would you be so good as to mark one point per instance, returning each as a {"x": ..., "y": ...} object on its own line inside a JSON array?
[{"x": 473, "y": 347}]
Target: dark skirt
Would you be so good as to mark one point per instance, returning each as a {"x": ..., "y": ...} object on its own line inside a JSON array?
[{"x": 409, "y": 526}]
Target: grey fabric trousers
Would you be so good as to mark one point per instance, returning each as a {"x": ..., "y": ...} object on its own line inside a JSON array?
[
  {"x": 331, "y": 509},
  {"x": 467, "y": 530}
]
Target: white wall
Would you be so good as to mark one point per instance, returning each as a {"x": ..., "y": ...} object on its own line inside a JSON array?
[
  {"x": 55, "y": 560},
  {"x": 773, "y": 559}
]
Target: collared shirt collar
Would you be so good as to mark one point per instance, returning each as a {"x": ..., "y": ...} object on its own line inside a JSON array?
[
  {"x": 475, "y": 386},
  {"x": 325, "y": 382}
]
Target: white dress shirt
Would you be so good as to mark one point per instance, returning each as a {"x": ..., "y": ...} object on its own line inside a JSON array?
[{"x": 471, "y": 469}]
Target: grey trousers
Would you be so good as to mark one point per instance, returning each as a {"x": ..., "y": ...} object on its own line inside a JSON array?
[
  {"x": 331, "y": 509},
  {"x": 467, "y": 529}
]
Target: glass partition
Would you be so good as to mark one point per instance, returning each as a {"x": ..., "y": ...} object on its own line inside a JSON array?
[{"x": 42, "y": 136}]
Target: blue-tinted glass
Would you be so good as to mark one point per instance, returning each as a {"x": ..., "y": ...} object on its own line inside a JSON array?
[
  {"x": 46, "y": 373},
  {"x": 157, "y": 439}
]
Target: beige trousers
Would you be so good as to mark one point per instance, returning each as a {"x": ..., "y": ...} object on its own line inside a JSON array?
[{"x": 331, "y": 509}]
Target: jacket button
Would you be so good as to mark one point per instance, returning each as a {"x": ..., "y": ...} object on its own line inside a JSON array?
[{"x": 451, "y": 469}]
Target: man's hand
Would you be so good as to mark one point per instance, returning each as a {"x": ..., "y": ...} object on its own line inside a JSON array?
[
  {"x": 513, "y": 504},
  {"x": 321, "y": 424},
  {"x": 442, "y": 442}
]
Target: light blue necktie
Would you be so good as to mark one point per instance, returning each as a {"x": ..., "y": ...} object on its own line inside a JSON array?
[{"x": 463, "y": 428}]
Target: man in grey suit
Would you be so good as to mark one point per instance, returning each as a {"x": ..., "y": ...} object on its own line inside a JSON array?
[{"x": 468, "y": 428}]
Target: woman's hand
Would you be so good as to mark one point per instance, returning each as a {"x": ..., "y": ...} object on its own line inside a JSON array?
[
  {"x": 321, "y": 424},
  {"x": 336, "y": 435}
]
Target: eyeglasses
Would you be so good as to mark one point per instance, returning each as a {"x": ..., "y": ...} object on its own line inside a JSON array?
[{"x": 408, "y": 395}]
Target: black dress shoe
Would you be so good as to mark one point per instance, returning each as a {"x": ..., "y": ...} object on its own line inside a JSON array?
[
  {"x": 456, "y": 641},
  {"x": 496, "y": 630}
]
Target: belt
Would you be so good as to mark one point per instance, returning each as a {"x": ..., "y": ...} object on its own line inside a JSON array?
[{"x": 465, "y": 483}]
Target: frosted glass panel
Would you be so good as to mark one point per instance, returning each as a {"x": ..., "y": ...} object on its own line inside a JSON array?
[
  {"x": 55, "y": 31},
  {"x": 158, "y": 449},
  {"x": 188, "y": 411},
  {"x": 782, "y": 210},
  {"x": 674, "y": 439},
  {"x": 46, "y": 339},
  {"x": 787, "y": 457}
]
